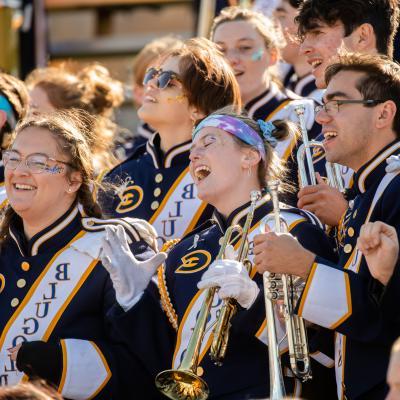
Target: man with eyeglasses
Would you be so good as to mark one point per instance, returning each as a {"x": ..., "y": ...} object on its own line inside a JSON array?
[
  {"x": 328, "y": 28},
  {"x": 360, "y": 121}
]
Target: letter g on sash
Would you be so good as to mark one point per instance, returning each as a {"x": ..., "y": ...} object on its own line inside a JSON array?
[{"x": 32, "y": 329}]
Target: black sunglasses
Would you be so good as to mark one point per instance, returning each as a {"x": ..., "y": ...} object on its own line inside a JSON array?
[{"x": 164, "y": 78}]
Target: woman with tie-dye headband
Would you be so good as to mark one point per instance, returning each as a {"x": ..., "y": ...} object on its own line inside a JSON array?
[{"x": 231, "y": 156}]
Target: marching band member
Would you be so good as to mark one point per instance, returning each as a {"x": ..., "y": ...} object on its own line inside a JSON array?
[
  {"x": 93, "y": 90},
  {"x": 301, "y": 81},
  {"x": 154, "y": 183},
  {"x": 14, "y": 102},
  {"x": 146, "y": 58},
  {"x": 251, "y": 44},
  {"x": 361, "y": 124},
  {"x": 54, "y": 291},
  {"x": 230, "y": 156},
  {"x": 328, "y": 28},
  {"x": 379, "y": 244}
]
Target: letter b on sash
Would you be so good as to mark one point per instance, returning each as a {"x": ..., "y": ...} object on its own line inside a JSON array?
[{"x": 62, "y": 272}]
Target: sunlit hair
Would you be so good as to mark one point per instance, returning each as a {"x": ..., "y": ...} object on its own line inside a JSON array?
[
  {"x": 37, "y": 390},
  {"x": 272, "y": 168},
  {"x": 264, "y": 26},
  {"x": 380, "y": 79},
  {"x": 70, "y": 130},
  {"x": 91, "y": 89},
  {"x": 17, "y": 95},
  {"x": 208, "y": 80}
]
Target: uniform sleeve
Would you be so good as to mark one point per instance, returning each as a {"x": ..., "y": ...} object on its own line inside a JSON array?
[{"x": 355, "y": 304}]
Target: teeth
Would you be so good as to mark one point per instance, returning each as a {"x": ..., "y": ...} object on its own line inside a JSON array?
[
  {"x": 315, "y": 63},
  {"x": 152, "y": 99},
  {"x": 202, "y": 172},
  {"x": 329, "y": 135},
  {"x": 24, "y": 187}
]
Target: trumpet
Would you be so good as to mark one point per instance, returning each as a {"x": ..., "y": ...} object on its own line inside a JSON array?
[
  {"x": 304, "y": 156},
  {"x": 283, "y": 287},
  {"x": 184, "y": 383}
]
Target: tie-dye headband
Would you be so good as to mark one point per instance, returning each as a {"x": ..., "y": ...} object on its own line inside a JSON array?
[
  {"x": 241, "y": 130},
  {"x": 6, "y": 107}
]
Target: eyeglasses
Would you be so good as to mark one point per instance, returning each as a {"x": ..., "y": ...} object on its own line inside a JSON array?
[
  {"x": 37, "y": 163},
  {"x": 332, "y": 107},
  {"x": 164, "y": 78}
]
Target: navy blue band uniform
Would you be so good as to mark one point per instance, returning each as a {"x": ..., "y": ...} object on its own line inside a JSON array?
[
  {"x": 158, "y": 335},
  {"x": 275, "y": 104},
  {"x": 55, "y": 295},
  {"x": 345, "y": 298},
  {"x": 158, "y": 188},
  {"x": 305, "y": 87}
]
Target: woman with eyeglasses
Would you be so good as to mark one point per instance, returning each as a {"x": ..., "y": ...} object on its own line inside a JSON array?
[
  {"x": 230, "y": 157},
  {"x": 154, "y": 184},
  {"x": 54, "y": 291}
]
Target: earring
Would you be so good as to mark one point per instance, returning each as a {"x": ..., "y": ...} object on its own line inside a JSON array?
[
  {"x": 249, "y": 172},
  {"x": 69, "y": 190}
]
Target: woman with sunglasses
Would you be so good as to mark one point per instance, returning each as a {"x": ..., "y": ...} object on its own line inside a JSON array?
[
  {"x": 230, "y": 157},
  {"x": 154, "y": 184},
  {"x": 54, "y": 291}
]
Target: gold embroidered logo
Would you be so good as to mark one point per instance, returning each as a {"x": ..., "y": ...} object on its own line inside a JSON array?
[
  {"x": 131, "y": 196},
  {"x": 2, "y": 282},
  {"x": 194, "y": 261}
]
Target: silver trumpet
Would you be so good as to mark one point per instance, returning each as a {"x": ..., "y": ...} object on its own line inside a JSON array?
[
  {"x": 304, "y": 155},
  {"x": 287, "y": 288}
]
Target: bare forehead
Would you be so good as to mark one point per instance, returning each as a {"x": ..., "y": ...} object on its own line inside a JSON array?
[
  {"x": 36, "y": 140},
  {"x": 343, "y": 83},
  {"x": 230, "y": 31},
  {"x": 170, "y": 64}
]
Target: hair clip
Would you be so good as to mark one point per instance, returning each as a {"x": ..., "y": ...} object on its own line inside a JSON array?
[{"x": 267, "y": 129}]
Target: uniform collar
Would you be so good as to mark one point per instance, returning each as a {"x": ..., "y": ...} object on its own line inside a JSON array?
[
  {"x": 177, "y": 155},
  {"x": 51, "y": 238},
  {"x": 239, "y": 215},
  {"x": 374, "y": 170},
  {"x": 264, "y": 97}
]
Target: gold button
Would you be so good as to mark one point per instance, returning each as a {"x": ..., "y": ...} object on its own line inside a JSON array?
[
  {"x": 350, "y": 232},
  {"x": 157, "y": 192},
  {"x": 158, "y": 178},
  {"x": 21, "y": 283},
  {"x": 25, "y": 266},
  {"x": 199, "y": 371},
  {"x": 348, "y": 248},
  {"x": 355, "y": 214},
  {"x": 155, "y": 205},
  {"x": 14, "y": 302}
]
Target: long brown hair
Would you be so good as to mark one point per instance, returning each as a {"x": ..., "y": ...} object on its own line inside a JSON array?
[
  {"x": 208, "y": 80},
  {"x": 70, "y": 133}
]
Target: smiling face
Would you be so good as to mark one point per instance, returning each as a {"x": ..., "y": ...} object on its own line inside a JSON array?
[
  {"x": 44, "y": 196},
  {"x": 246, "y": 51},
  {"x": 219, "y": 168},
  {"x": 350, "y": 134},
  {"x": 168, "y": 106},
  {"x": 321, "y": 45}
]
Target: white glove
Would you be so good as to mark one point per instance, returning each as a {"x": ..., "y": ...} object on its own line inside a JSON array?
[
  {"x": 129, "y": 276},
  {"x": 233, "y": 280},
  {"x": 393, "y": 164}
]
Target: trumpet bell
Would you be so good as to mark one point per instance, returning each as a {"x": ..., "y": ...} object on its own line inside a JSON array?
[{"x": 182, "y": 385}]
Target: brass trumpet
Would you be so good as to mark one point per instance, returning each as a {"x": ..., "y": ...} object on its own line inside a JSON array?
[
  {"x": 283, "y": 287},
  {"x": 304, "y": 156},
  {"x": 183, "y": 383}
]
